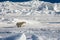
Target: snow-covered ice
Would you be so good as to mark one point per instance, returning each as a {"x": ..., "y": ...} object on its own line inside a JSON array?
[{"x": 42, "y": 20}]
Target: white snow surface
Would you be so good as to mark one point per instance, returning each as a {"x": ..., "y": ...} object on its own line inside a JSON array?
[{"x": 42, "y": 20}]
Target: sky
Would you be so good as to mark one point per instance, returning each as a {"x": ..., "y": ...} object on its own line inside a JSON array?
[{"x": 52, "y": 1}]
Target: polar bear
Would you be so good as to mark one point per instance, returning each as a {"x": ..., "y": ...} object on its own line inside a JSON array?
[{"x": 20, "y": 24}]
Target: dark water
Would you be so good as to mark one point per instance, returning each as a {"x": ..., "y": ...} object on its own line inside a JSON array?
[
  {"x": 15, "y": 0},
  {"x": 52, "y": 1}
]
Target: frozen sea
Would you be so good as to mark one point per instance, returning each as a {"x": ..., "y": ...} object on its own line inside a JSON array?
[{"x": 42, "y": 20}]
